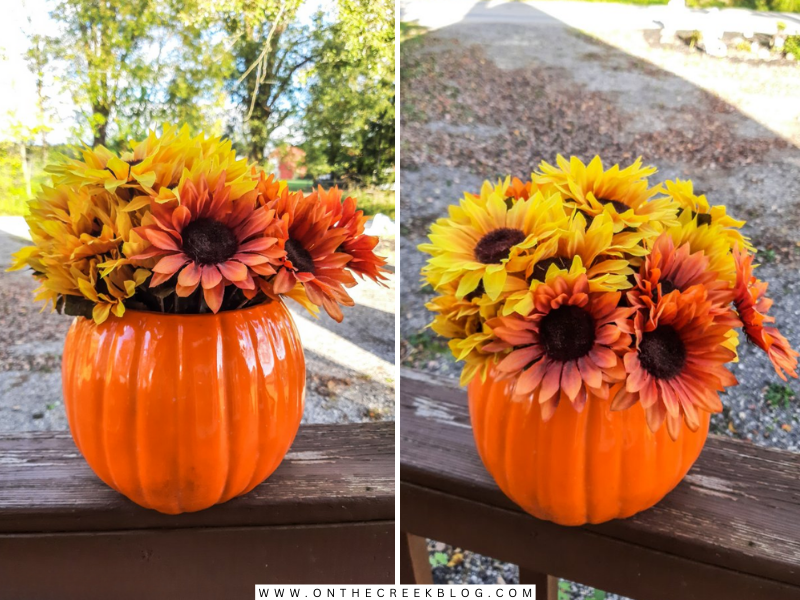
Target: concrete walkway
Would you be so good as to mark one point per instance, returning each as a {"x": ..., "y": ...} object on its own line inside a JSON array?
[{"x": 594, "y": 16}]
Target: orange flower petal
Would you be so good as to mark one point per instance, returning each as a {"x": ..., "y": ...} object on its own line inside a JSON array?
[
  {"x": 169, "y": 265},
  {"x": 213, "y": 297},
  {"x": 190, "y": 276},
  {"x": 233, "y": 270},
  {"x": 211, "y": 277},
  {"x": 571, "y": 381},
  {"x": 161, "y": 240},
  {"x": 551, "y": 381},
  {"x": 284, "y": 282}
]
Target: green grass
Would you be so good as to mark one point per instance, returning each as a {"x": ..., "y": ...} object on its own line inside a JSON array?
[
  {"x": 409, "y": 31},
  {"x": 373, "y": 201},
  {"x": 300, "y": 184},
  {"x": 792, "y": 46},
  {"x": 779, "y": 395}
]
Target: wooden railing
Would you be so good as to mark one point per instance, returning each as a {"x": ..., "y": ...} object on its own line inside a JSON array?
[
  {"x": 325, "y": 516},
  {"x": 729, "y": 531}
]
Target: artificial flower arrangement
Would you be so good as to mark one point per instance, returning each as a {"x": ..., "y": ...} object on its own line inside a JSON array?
[
  {"x": 594, "y": 311},
  {"x": 179, "y": 224},
  {"x": 183, "y": 373}
]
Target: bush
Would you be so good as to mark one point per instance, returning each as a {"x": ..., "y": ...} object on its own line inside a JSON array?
[{"x": 792, "y": 46}]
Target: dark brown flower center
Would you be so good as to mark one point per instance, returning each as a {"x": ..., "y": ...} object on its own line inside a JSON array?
[
  {"x": 667, "y": 286},
  {"x": 209, "y": 242},
  {"x": 703, "y": 219},
  {"x": 662, "y": 352},
  {"x": 620, "y": 207},
  {"x": 496, "y": 245},
  {"x": 567, "y": 333},
  {"x": 300, "y": 258},
  {"x": 541, "y": 267},
  {"x": 478, "y": 292}
]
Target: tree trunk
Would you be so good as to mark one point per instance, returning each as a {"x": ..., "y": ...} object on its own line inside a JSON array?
[
  {"x": 100, "y": 125},
  {"x": 26, "y": 169}
]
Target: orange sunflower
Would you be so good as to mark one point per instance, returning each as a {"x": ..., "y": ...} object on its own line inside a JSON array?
[
  {"x": 667, "y": 270},
  {"x": 313, "y": 242},
  {"x": 677, "y": 365},
  {"x": 360, "y": 247},
  {"x": 752, "y": 306},
  {"x": 568, "y": 347},
  {"x": 519, "y": 190},
  {"x": 211, "y": 241}
]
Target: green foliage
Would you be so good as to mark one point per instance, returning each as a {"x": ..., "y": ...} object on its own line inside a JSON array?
[
  {"x": 779, "y": 395},
  {"x": 792, "y": 46},
  {"x": 438, "y": 559},
  {"x": 426, "y": 344},
  {"x": 349, "y": 122},
  {"x": 13, "y": 187},
  {"x": 305, "y": 185},
  {"x": 564, "y": 590},
  {"x": 373, "y": 201},
  {"x": 270, "y": 51},
  {"x": 130, "y": 66},
  {"x": 766, "y": 255},
  {"x": 103, "y": 48}
]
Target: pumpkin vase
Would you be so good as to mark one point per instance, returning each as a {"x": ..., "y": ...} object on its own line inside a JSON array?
[
  {"x": 578, "y": 467},
  {"x": 179, "y": 412}
]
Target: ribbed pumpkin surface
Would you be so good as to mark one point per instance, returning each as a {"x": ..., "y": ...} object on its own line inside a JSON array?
[
  {"x": 577, "y": 468},
  {"x": 181, "y": 412}
]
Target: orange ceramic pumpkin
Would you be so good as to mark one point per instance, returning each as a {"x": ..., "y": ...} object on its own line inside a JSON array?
[
  {"x": 181, "y": 412},
  {"x": 579, "y": 467}
]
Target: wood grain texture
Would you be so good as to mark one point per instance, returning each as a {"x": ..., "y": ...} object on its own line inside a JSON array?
[
  {"x": 546, "y": 585},
  {"x": 415, "y": 566},
  {"x": 737, "y": 513},
  {"x": 332, "y": 474},
  {"x": 200, "y": 563}
]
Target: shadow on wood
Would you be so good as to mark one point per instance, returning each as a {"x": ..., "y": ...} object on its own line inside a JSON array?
[
  {"x": 731, "y": 529},
  {"x": 325, "y": 516}
]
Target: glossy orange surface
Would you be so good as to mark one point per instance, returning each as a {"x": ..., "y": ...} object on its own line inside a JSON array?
[
  {"x": 579, "y": 467},
  {"x": 181, "y": 412}
]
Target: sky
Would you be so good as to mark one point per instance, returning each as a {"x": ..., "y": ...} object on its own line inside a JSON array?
[{"x": 18, "y": 100}]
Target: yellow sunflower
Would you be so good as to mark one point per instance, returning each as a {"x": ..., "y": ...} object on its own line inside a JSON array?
[
  {"x": 156, "y": 166},
  {"x": 484, "y": 239},
  {"x": 591, "y": 250},
  {"x": 77, "y": 253},
  {"x": 697, "y": 208},
  {"x": 712, "y": 241},
  {"x": 624, "y": 194}
]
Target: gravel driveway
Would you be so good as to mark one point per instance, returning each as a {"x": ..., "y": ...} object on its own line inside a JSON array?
[{"x": 484, "y": 99}]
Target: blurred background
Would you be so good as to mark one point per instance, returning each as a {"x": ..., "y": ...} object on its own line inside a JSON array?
[
  {"x": 305, "y": 88},
  {"x": 703, "y": 89}
]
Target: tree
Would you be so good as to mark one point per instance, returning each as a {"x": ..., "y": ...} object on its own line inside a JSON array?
[
  {"x": 349, "y": 122},
  {"x": 134, "y": 64},
  {"x": 103, "y": 44},
  {"x": 270, "y": 50},
  {"x": 36, "y": 58}
]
